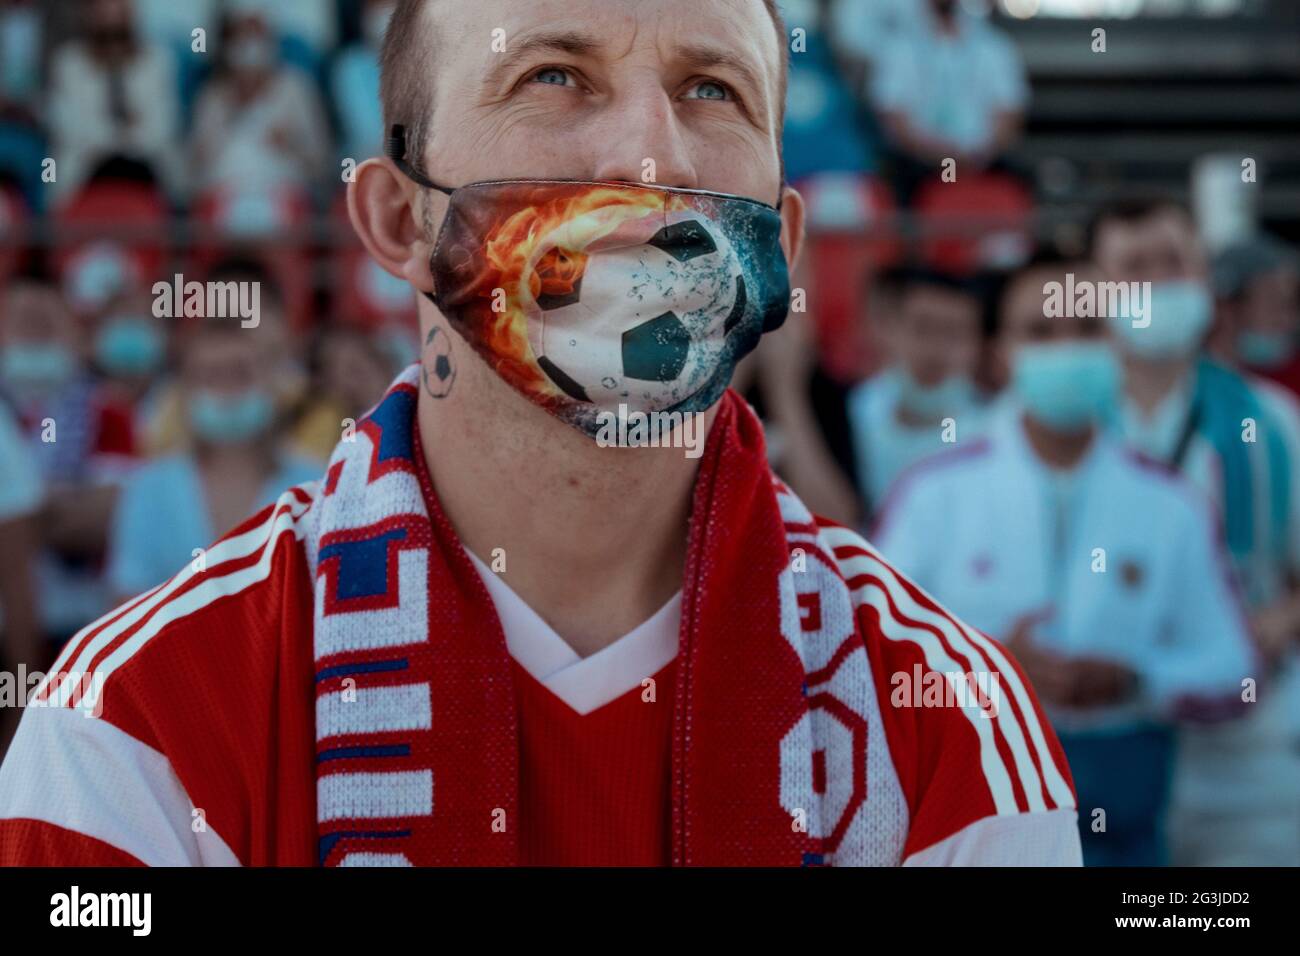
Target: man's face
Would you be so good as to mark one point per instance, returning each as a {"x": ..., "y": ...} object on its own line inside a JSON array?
[
  {"x": 937, "y": 334},
  {"x": 1271, "y": 302},
  {"x": 1160, "y": 247},
  {"x": 1024, "y": 318},
  {"x": 36, "y": 315},
  {"x": 227, "y": 363},
  {"x": 674, "y": 92}
]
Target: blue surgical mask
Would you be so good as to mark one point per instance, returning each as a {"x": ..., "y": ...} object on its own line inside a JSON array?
[
  {"x": 953, "y": 395},
  {"x": 1066, "y": 385},
  {"x": 225, "y": 420},
  {"x": 1265, "y": 350},
  {"x": 30, "y": 367},
  {"x": 129, "y": 346},
  {"x": 1172, "y": 324}
]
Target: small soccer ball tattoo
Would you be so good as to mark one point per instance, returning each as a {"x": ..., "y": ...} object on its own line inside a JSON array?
[{"x": 439, "y": 366}]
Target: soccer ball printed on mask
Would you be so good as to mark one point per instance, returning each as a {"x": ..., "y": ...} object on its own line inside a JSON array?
[{"x": 642, "y": 314}]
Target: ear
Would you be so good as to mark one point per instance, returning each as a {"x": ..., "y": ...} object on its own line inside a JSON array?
[
  {"x": 792, "y": 225},
  {"x": 387, "y": 213}
]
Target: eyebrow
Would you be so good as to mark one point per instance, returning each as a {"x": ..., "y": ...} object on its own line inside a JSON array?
[
  {"x": 573, "y": 43},
  {"x": 704, "y": 56},
  {"x": 545, "y": 41}
]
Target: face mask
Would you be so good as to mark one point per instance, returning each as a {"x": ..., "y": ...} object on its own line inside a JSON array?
[
  {"x": 129, "y": 346},
  {"x": 1066, "y": 385},
  {"x": 935, "y": 402},
  {"x": 1173, "y": 326},
  {"x": 28, "y": 368},
  {"x": 593, "y": 298},
  {"x": 229, "y": 421},
  {"x": 1266, "y": 350}
]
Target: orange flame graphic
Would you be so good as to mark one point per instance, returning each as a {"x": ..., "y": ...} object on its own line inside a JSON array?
[{"x": 514, "y": 261}]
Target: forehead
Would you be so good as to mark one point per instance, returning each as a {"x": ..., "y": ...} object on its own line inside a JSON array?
[
  {"x": 614, "y": 29},
  {"x": 933, "y": 298},
  {"x": 1025, "y": 300},
  {"x": 30, "y": 306},
  {"x": 214, "y": 345},
  {"x": 1160, "y": 233}
]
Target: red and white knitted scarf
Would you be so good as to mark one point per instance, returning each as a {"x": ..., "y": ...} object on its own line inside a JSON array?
[{"x": 415, "y": 710}]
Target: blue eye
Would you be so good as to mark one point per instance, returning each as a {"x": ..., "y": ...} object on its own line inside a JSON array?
[
  {"x": 551, "y": 76},
  {"x": 710, "y": 90}
]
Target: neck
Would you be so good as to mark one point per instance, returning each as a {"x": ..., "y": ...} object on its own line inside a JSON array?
[
  {"x": 593, "y": 539},
  {"x": 1057, "y": 449},
  {"x": 946, "y": 20},
  {"x": 242, "y": 458},
  {"x": 1148, "y": 382}
]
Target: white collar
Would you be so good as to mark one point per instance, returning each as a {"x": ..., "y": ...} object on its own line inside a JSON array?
[
  {"x": 584, "y": 683},
  {"x": 1157, "y": 434}
]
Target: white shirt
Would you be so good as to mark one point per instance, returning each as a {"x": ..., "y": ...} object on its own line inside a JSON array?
[
  {"x": 584, "y": 683},
  {"x": 81, "y": 123},
  {"x": 233, "y": 139},
  {"x": 951, "y": 85},
  {"x": 994, "y": 535}
]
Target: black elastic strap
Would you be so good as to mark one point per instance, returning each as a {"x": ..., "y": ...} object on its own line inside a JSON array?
[{"x": 395, "y": 149}]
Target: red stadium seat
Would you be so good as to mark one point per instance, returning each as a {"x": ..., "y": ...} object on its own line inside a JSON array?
[
  {"x": 990, "y": 213},
  {"x": 13, "y": 228}
]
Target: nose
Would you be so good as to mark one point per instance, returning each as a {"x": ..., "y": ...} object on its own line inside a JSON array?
[{"x": 639, "y": 140}]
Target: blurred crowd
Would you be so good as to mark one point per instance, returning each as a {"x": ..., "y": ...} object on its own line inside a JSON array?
[{"x": 1119, "y": 502}]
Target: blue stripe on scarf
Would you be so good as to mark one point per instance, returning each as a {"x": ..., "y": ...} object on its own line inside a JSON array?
[
  {"x": 346, "y": 753},
  {"x": 362, "y": 667},
  {"x": 330, "y": 840}
]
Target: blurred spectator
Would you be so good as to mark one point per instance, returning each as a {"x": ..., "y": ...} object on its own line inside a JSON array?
[
  {"x": 354, "y": 84},
  {"x": 954, "y": 87},
  {"x": 352, "y": 370},
  {"x": 259, "y": 125},
  {"x": 234, "y": 464},
  {"x": 1257, "y": 285},
  {"x": 863, "y": 30},
  {"x": 112, "y": 96},
  {"x": 1234, "y": 795},
  {"x": 168, "y": 425},
  {"x": 931, "y": 329},
  {"x": 1100, "y": 573},
  {"x": 76, "y": 439},
  {"x": 21, "y": 29},
  {"x": 130, "y": 351},
  {"x": 823, "y": 131},
  {"x": 172, "y": 26}
]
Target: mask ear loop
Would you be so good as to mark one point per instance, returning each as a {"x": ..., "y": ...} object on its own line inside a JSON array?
[{"x": 395, "y": 149}]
